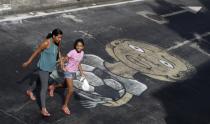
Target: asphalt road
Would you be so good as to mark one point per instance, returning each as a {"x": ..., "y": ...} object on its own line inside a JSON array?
[{"x": 150, "y": 60}]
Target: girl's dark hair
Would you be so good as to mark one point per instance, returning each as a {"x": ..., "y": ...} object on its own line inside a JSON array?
[
  {"x": 55, "y": 32},
  {"x": 80, "y": 40}
]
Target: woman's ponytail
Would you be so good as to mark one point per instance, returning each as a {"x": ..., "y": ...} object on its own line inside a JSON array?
[
  {"x": 55, "y": 32},
  {"x": 49, "y": 35}
]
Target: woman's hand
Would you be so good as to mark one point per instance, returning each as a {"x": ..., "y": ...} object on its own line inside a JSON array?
[
  {"x": 26, "y": 64},
  {"x": 38, "y": 50}
]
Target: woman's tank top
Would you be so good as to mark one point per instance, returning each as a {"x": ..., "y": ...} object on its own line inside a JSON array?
[{"x": 47, "y": 60}]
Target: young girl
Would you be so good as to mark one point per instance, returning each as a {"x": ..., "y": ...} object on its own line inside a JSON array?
[{"x": 73, "y": 59}]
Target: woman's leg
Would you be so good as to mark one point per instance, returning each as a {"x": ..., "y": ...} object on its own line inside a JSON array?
[
  {"x": 68, "y": 96},
  {"x": 32, "y": 87},
  {"x": 44, "y": 77},
  {"x": 30, "y": 90}
]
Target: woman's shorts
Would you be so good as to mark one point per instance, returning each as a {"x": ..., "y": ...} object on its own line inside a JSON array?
[{"x": 70, "y": 75}]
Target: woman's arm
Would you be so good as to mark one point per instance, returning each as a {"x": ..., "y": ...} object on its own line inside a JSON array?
[
  {"x": 63, "y": 60},
  {"x": 38, "y": 50}
]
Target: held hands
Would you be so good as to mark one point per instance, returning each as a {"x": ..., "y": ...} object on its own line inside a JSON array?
[
  {"x": 64, "y": 69},
  {"x": 61, "y": 62}
]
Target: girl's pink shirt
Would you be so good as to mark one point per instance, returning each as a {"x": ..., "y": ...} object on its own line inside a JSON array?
[{"x": 74, "y": 60}]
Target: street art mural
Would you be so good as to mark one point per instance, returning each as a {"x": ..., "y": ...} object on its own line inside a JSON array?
[
  {"x": 121, "y": 89},
  {"x": 113, "y": 85},
  {"x": 106, "y": 88},
  {"x": 147, "y": 59}
]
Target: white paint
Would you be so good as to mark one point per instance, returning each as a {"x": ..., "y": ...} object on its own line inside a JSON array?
[
  {"x": 179, "y": 45},
  {"x": 87, "y": 67},
  {"x": 72, "y": 17},
  {"x": 113, "y": 84},
  {"x": 93, "y": 60},
  {"x": 12, "y": 116},
  {"x": 197, "y": 37},
  {"x": 85, "y": 34},
  {"x": 18, "y": 108},
  {"x": 197, "y": 47},
  {"x": 145, "y": 14},
  {"x": 93, "y": 79},
  {"x": 166, "y": 63},
  {"x": 193, "y": 9},
  {"x": 174, "y": 13},
  {"x": 136, "y": 48},
  {"x": 121, "y": 92},
  {"x": 78, "y": 84},
  {"x": 4, "y": 7},
  {"x": 28, "y": 15},
  {"x": 132, "y": 86}
]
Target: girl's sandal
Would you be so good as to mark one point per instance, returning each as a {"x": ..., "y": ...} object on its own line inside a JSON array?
[{"x": 51, "y": 90}]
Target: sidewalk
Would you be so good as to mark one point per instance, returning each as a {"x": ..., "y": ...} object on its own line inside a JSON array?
[{"x": 11, "y": 7}]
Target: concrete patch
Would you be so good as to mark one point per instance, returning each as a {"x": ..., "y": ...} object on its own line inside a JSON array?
[
  {"x": 85, "y": 34},
  {"x": 28, "y": 15},
  {"x": 161, "y": 19},
  {"x": 5, "y": 7},
  {"x": 72, "y": 17}
]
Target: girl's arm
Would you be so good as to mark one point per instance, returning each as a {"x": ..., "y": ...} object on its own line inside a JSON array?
[
  {"x": 81, "y": 71},
  {"x": 38, "y": 50}
]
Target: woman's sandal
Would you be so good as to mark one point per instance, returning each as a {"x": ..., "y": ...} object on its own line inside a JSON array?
[
  {"x": 45, "y": 113},
  {"x": 66, "y": 110},
  {"x": 31, "y": 95}
]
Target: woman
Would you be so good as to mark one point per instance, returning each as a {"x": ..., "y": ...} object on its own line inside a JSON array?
[{"x": 48, "y": 51}]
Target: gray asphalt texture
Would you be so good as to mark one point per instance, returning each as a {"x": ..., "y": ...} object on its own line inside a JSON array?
[{"x": 181, "y": 102}]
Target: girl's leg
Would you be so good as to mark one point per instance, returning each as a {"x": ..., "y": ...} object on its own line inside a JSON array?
[
  {"x": 52, "y": 88},
  {"x": 44, "y": 77},
  {"x": 68, "y": 96}
]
